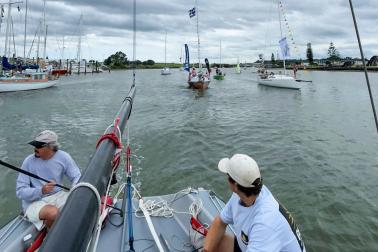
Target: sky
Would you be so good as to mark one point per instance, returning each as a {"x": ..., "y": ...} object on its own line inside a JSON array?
[{"x": 246, "y": 28}]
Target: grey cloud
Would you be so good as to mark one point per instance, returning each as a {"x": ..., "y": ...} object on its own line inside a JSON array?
[{"x": 245, "y": 27}]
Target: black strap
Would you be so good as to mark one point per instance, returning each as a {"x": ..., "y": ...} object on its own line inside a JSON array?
[{"x": 289, "y": 218}]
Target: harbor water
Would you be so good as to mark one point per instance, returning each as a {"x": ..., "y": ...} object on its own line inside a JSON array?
[{"x": 317, "y": 147}]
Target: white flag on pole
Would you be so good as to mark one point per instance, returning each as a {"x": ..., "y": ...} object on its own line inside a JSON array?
[{"x": 284, "y": 48}]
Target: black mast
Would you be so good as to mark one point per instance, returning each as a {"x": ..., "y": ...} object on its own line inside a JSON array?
[{"x": 74, "y": 227}]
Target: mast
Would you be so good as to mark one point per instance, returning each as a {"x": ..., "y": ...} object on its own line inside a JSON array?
[
  {"x": 198, "y": 38},
  {"x": 14, "y": 42},
  {"x": 63, "y": 49},
  {"x": 39, "y": 39},
  {"x": 181, "y": 56},
  {"x": 220, "y": 53},
  {"x": 26, "y": 17},
  {"x": 7, "y": 30},
  {"x": 79, "y": 44},
  {"x": 45, "y": 27},
  {"x": 165, "y": 50},
  {"x": 44, "y": 46},
  {"x": 279, "y": 18}
]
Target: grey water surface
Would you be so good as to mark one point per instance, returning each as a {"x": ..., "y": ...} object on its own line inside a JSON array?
[{"x": 317, "y": 147}]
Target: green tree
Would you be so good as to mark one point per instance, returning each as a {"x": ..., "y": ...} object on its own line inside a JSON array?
[
  {"x": 310, "y": 56},
  {"x": 333, "y": 54},
  {"x": 273, "y": 59},
  {"x": 150, "y": 62},
  {"x": 117, "y": 60}
]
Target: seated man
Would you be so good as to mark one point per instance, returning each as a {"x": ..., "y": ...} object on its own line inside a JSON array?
[
  {"x": 259, "y": 221},
  {"x": 41, "y": 201}
]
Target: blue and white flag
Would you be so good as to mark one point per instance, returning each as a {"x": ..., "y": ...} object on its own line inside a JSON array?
[
  {"x": 285, "y": 51},
  {"x": 192, "y": 12}
]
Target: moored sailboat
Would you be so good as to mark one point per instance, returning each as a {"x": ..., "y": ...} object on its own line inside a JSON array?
[
  {"x": 26, "y": 81},
  {"x": 219, "y": 74},
  {"x": 165, "y": 70},
  {"x": 279, "y": 80}
]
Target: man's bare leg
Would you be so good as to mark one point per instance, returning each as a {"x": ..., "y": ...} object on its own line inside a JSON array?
[{"x": 48, "y": 214}]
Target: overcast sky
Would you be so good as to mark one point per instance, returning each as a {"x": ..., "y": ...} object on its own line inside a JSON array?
[{"x": 245, "y": 27}]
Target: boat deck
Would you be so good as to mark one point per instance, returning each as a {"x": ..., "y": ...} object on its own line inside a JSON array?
[{"x": 174, "y": 230}]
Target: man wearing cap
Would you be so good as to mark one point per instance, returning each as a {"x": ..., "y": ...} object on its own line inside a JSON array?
[
  {"x": 259, "y": 221},
  {"x": 41, "y": 201}
]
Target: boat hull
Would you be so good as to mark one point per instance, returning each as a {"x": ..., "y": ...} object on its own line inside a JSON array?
[
  {"x": 218, "y": 77},
  {"x": 199, "y": 84},
  {"x": 23, "y": 86},
  {"x": 166, "y": 71},
  {"x": 278, "y": 81},
  {"x": 59, "y": 72}
]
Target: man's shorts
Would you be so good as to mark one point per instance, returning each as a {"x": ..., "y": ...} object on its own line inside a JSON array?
[{"x": 32, "y": 212}]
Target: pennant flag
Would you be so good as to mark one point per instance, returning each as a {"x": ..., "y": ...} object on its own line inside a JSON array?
[
  {"x": 192, "y": 12},
  {"x": 284, "y": 48},
  {"x": 186, "y": 64}
]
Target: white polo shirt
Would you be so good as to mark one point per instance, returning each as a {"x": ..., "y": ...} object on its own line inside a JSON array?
[{"x": 262, "y": 227}]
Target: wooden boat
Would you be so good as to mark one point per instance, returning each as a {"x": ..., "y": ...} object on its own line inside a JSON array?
[{"x": 199, "y": 82}]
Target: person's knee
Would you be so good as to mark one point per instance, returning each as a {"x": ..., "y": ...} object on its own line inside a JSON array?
[{"x": 49, "y": 212}]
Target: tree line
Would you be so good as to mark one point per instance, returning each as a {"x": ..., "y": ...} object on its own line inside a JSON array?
[{"x": 119, "y": 61}]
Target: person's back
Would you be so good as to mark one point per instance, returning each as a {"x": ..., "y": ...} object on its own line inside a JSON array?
[{"x": 262, "y": 226}]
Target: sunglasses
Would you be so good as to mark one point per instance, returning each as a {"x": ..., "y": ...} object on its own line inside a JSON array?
[{"x": 40, "y": 146}]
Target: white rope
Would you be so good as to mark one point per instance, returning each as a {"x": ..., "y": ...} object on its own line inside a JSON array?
[{"x": 162, "y": 208}]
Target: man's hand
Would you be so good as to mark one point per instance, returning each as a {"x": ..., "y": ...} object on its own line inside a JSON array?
[{"x": 47, "y": 188}]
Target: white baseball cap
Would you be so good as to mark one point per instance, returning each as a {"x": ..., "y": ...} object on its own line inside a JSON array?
[
  {"x": 43, "y": 138},
  {"x": 241, "y": 168}
]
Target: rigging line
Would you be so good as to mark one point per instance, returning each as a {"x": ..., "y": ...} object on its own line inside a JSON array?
[
  {"x": 31, "y": 47},
  {"x": 289, "y": 31},
  {"x": 364, "y": 64}
]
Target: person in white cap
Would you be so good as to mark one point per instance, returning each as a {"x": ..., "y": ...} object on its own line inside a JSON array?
[
  {"x": 41, "y": 201},
  {"x": 259, "y": 221}
]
